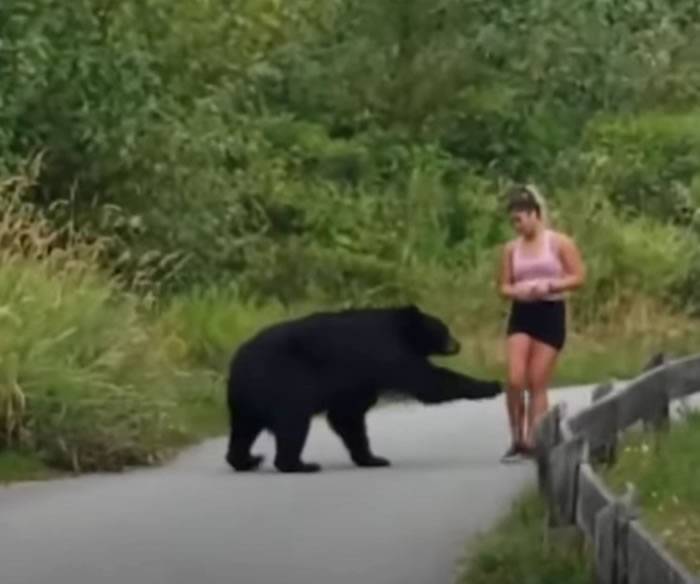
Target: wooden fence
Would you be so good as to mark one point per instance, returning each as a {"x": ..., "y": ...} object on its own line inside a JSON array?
[{"x": 567, "y": 447}]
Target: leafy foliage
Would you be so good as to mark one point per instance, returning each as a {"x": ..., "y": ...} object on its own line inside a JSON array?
[{"x": 342, "y": 149}]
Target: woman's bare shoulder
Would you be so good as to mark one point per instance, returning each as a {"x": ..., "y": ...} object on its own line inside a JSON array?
[
  {"x": 508, "y": 246},
  {"x": 561, "y": 238},
  {"x": 564, "y": 243}
]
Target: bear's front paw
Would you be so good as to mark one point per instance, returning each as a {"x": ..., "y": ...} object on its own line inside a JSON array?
[{"x": 491, "y": 389}]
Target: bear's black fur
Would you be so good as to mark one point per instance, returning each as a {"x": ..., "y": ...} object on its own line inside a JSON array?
[{"x": 338, "y": 363}]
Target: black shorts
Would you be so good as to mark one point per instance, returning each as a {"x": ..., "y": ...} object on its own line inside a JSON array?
[{"x": 543, "y": 320}]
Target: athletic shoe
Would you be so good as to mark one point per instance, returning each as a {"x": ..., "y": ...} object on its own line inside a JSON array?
[{"x": 513, "y": 454}]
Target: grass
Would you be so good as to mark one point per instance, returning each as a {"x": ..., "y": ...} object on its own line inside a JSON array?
[
  {"x": 84, "y": 378},
  {"x": 665, "y": 470},
  {"x": 200, "y": 329},
  {"x": 87, "y": 377},
  {"x": 25, "y": 466},
  {"x": 90, "y": 379},
  {"x": 518, "y": 551}
]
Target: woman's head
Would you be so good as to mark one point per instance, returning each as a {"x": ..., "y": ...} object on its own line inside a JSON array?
[{"x": 527, "y": 209}]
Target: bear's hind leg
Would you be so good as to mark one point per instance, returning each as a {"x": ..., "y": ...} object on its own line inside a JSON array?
[
  {"x": 244, "y": 432},
  {"x": 290, "y": 437},
  {"x": 352, "y": 429}
]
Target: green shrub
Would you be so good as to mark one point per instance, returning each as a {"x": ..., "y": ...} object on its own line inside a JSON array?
[
  {"x": 626, "y": 258},
  {"x": 84, "y": 377},
  {"x": 649, "y": 164},
  {"x": 203, "y": 327}
]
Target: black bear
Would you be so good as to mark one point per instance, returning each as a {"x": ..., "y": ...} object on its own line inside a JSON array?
[{"x": 338, "y": 363}]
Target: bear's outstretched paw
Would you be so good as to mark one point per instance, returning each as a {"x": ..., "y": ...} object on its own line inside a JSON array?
[
  {"x": 490, "y": 389},
  {"x": 298, "y": 467},
  {"x": 248, "y": 464},
  {"x": 372, "y": 461}
]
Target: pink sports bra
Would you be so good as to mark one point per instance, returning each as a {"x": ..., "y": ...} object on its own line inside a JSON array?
[{"x": 544, "y": 266}]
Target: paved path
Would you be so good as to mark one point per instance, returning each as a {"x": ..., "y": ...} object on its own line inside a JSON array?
[{"x": 195, "y": 522}]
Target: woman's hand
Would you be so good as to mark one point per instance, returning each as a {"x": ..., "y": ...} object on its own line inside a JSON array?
[
  {"x": 531, "y": 291},
  {"x": 526, "y": 291},
  {"x": 542, "y": 288}
]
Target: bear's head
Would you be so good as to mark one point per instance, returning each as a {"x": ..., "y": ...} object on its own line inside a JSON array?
[{"x": 427, "y": 334}]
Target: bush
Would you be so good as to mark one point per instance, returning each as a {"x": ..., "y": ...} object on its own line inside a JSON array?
[
  {"x": 626, "y": 258},
  {"x": 84, "y": 379},
  {"x": 203, "y": 327},
  {"x": 649, "y": 164},
  {"x": 363, "y": 137}
]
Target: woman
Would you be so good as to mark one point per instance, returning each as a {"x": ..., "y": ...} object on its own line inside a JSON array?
[{"x": 537, "y": 269}]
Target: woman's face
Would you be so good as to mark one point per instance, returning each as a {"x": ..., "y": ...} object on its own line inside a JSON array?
[{"x": 525, "y": 223}]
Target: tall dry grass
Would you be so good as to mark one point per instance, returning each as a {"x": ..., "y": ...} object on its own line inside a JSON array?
[{"x": 85, "y": 379}]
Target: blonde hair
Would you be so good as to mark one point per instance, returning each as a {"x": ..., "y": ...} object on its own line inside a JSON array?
[{"x": 527, "y": 197}]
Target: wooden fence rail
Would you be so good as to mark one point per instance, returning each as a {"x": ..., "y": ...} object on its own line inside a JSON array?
[{"x": 566, "y": 449}]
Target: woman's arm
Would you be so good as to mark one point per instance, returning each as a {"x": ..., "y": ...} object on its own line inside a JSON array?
[{"x": 573, "y": 266}]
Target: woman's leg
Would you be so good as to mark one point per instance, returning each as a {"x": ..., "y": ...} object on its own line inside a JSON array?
[
  {"x": 540, "y": 367},
  {"x": 518, "y": 349}
]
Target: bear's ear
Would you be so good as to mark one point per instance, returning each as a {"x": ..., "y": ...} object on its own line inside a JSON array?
[
  {"x": 411, "y": 319},
  {"x": 411, "y": 310}
]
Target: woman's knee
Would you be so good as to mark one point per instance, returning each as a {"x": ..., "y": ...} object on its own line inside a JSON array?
[
  {"x": 517, "y": 381},
  {"x": 539, "y": 379},
  {"x": 540, "y": 373},
  {"x": 536, "y": 385}
]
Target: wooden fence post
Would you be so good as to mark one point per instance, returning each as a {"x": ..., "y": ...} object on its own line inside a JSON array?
[
  {"x": 610, "y": 540},
  {"x": 605, "y": 544},
  {"x": 627, "y": 511},
  {"x": 562, "y": 480},
  {"x": 605, "y": 453},
  {"x": 660, "y": 420},
  {"x": 547, "y": 436},
  {"x": 656, "y": 360}
]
